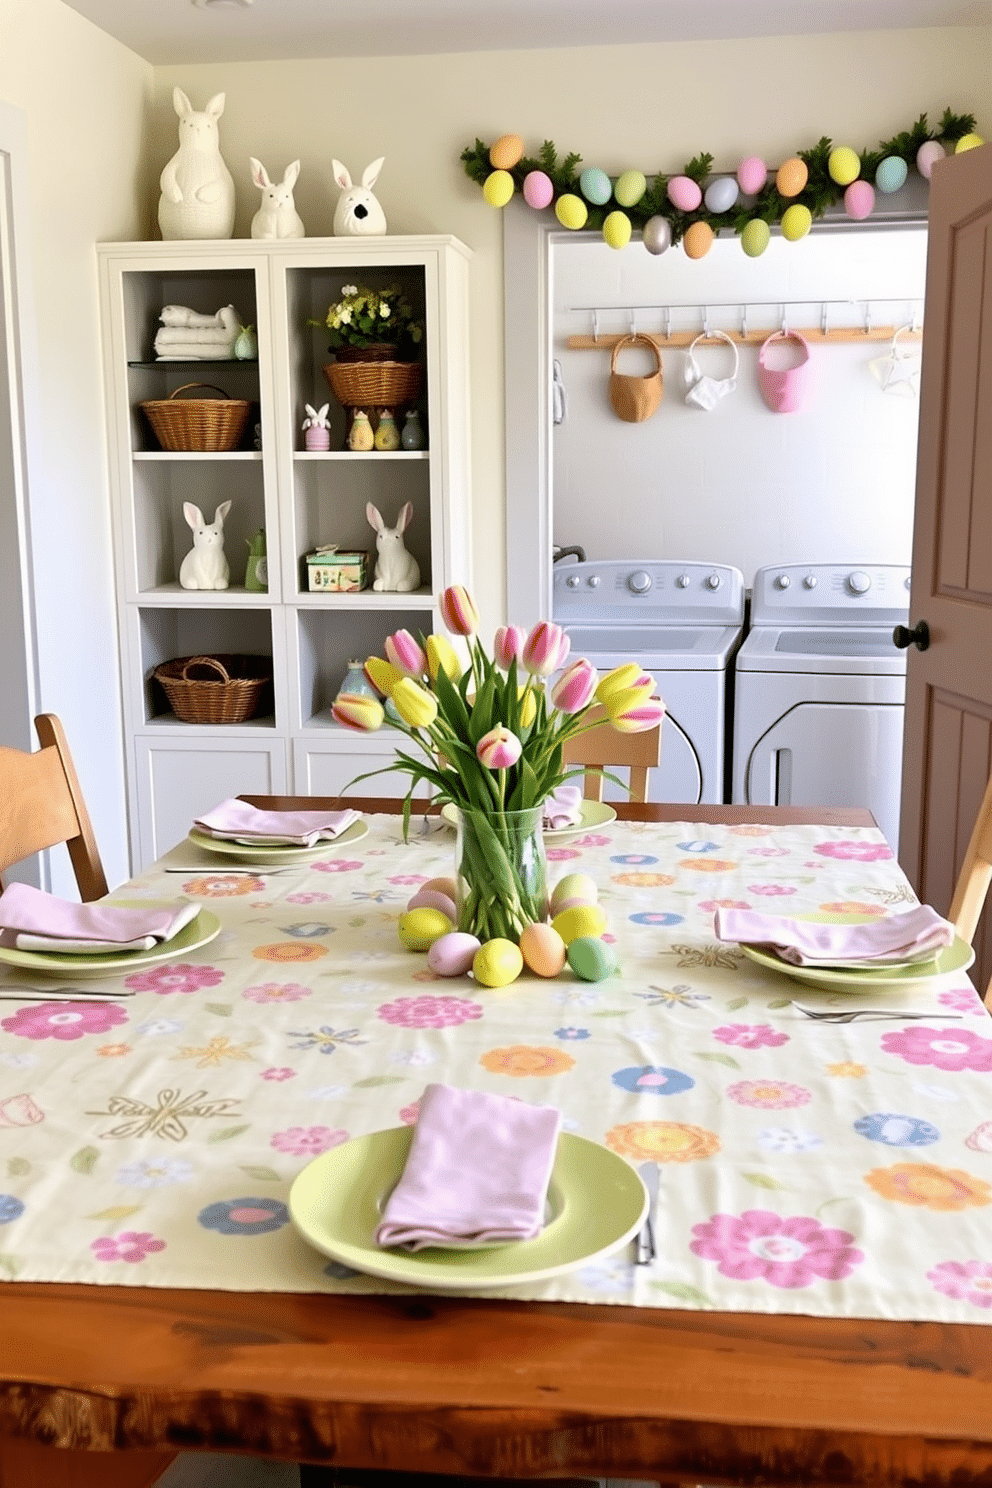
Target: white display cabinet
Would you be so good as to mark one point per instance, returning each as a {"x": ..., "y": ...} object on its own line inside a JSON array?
[{"x": 303, "y": 499}]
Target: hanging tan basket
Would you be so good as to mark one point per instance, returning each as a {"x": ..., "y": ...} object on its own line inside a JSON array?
[
  {"x": 197, "y": 424},
  {"x": 377, "y": 384},
  {"x": 214, "y": 689}
]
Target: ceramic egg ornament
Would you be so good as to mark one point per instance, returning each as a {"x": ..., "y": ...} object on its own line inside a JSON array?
[
  {"x": 859, "y": 200},
  {"x": 752, "y": 174},
  {"x": 683, "y": 193},
  {"x": 721, "y": 194},
  {"x": 791, "y": 177},
  {"x": 927, "y": 156},
  {"x": 592, "y": 959},
  {"x": 452, "y": 955},
  {"x": 543, "y": 950},
  {"x": 420, "y": 928},
  {"x": 698, "y": 240},
  {"x": 497, "y": 963},
  {"x": 616, "y": 230},
  {"x": 891, "y": 174},
  {"x": 630, "y": 187},
  {"x": 498, "y": 188},
  {"x": 656, "y": 234},
  {"x": 796, "y": 222},
  {"x": 581, "y": 919},
  {"x": 843, "y": 165},
  {"x": 968, "y": 142},
  {"x": 538, "y": 190},
  {"x": 595, "y": 186},
  {"x": 506, "y": 152},
  {"x": 571, "y": 211},
  {"x": 573, "y": 886},
  {"x": 755, "y": 237},
  {"x": 432, "y": 899}
]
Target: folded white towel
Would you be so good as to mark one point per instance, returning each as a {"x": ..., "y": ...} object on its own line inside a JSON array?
[
  {"x": 914, "y": 935},
  {"x": 32, "y": 920},
  {"x": 563, "y": 808}
]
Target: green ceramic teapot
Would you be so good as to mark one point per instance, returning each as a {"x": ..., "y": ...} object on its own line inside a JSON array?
[{"x": 257, "y": 570}]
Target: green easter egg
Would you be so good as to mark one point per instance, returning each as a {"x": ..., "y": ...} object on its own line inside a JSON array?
[
  {"x": 420, "y": 928},
  {"x": 630, "y": 187},
  {"x": 592, "y": 959},
  {"x": 581, "y": 919},
  {"x": 616, "y": 230},
  {"x": 755, "y": 237}
]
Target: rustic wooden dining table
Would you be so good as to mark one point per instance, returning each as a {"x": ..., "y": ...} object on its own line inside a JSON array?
[{"x": 106, "y": 1384}]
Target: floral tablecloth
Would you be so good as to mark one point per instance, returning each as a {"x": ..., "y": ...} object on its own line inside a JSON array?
[{"x": 804, "y": 1168}]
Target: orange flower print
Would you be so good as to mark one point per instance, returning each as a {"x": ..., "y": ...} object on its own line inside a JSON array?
[
  {"x": 746, "y": 830},
  {"x": 526, "y": 1059},
  {"x": 708, "y": 865},
  {"x": 847, "y": 1070},
  {"x": 290, "y": 950},
  {"x": 644, "y": 880},
  {"x": 113, "y": 1051},
  {"x": 664, "y": 1141},
  {"x": 929, "y": 1187},
  {"x": 223, "y": 885},
  {"x": 853, "y": 906}
]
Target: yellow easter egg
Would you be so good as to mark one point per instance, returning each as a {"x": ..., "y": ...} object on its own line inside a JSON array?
[
  {"x": 843, "y": 165},
  {"x": 498, "y": 188},
  {"x": 630, "y": 187},
  {"x": 573, "y": 886},
  {"x": 497, "y": 963},
  {"x": 791, "y": 177},
  {"x": 507, "y": 150},
  {"x": 968, "y": 142},
  {"x": 543, "y": 950},
  {"x": 796, "y": 222},
  {"x": 571, "y": 211},
  {"x": 698, "y": 240},
  {"x": 616, "y": 230},
  {"x": 420, "y": 928},
  {"x": 581, "y": 919}
]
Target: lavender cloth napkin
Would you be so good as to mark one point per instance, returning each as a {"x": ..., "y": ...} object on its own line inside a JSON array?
[
  {"x": 32, "y": 920},
  {"x": 237, "y": 821},
  {"x": 477, "y": 1172},
  {"x": 563, "y": 808},
  {"x": 914, "y": 935}
]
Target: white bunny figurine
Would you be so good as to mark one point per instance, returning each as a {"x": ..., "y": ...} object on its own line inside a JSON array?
[
  {"x": 317, "y": 427},
  {"x": 358, "y": 213},
  {"x": 396, "y": 570},
  {"x": 197, "y": 188},
  {"x": 205, "y": 566},
  {"x": 277, "y": 217}
]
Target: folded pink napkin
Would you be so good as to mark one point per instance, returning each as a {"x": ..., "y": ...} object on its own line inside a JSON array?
[
  {"x": 563, "y": 808},
  {"x": 236, "y": 821},
  {"x": 477, "y": 1172},
  {"x": 915, "y": 935},
  {"x": 31, "y": 920}
]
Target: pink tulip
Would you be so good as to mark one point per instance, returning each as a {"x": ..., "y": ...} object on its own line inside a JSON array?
[
  {"x": 499, "y": 749},
  {"x": 406, "y": 654},
  {"x": 631, "y": 712},
  {"x": 545, "y": 649},
  {"x": 458, "y": 611},
  {"x": 508, "y": 646},
  {"x": 356, "y": 710},
  {"x": 574, "y": 688}
]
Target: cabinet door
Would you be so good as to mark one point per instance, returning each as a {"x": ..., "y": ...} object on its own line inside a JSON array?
[{"x": 328, "y": 771}]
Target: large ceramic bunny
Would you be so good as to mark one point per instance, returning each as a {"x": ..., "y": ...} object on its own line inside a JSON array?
[
  {"x": 197, "y": 188},
  {"x": 277, "y": 217},
  {"x": 396, "y": 570},
  {"x": 205, "y": 566},
  {"x": 358, "y": 213}
]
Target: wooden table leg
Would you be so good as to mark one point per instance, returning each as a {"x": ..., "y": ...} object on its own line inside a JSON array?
[{"x": 29, "y": 1464}]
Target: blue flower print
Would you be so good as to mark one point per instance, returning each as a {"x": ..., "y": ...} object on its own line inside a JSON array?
[
  {"x": 897, "y": 1131},
  {"x": 244, "y": 1216},
  {"x": 10, "y": 1208},
  {"x": 307, "y": 930},
  {"x": 656, "y": 917},
  {"x": 698, "y": 846},
  {"x": 649, "y": 1079},
  {"x": 572, "y": 1033},
  {"x": 634, "y": 860}
]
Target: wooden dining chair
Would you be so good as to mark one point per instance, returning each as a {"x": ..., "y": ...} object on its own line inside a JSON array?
[
  {"x": 605, "y": 748},
  {"x": 41, "y": 805},
  {"x": 975, "y": 876}
]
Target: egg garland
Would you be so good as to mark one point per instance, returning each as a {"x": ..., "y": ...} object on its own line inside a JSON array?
[
  {"x": 595, "y": 186},
  {"x": 538, "y": 190},
  {"x": 843, "y": 165},
  {"x": 859, "y": 200},
  {"x": 617, "y": 230},
  {"x": 891, "y": 174}
]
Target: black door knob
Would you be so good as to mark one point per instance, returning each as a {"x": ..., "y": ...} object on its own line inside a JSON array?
[{"x": 919, "y": 636}]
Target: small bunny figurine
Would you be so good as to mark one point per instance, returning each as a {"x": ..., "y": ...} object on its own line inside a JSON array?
[
  {"x": 396, "y": 570},
  {"x": 277, "y": 217},
  {"x": 358, "y": 213},
  {"x": 205, "y": 566},
  {"x": 197, "y": 199},
  {"x": 317, "y": 427}
]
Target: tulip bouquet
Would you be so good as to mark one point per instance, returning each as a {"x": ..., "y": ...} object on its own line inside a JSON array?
[{"x": 491, "y": 731}]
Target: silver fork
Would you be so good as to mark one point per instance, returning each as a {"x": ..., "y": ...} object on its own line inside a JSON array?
[{"x": 850, "y": 1015}]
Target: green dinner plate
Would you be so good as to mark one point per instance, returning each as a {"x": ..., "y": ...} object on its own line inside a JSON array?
[
  {"x": 253, "y": 852},
  {"x": 956, "y": 957},
  {"x": 593, "y": 814},
  {"x": 597, "y": 1202},
  {"x": 197, "y": 933}
]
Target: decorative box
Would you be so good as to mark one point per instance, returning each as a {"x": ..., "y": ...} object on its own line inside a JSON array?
[{"x": 332, "y": 571}]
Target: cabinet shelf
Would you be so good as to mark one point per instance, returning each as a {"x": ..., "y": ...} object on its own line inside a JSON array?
[
  {"x": 366, "y": 599},
  {"x": 213, "y": 456},
  {"x": 262, "y": 723},
  {"x": 236, "y": 597},
  {"x": 376, "y": 456},
  {"x": 156, "y": 364}
]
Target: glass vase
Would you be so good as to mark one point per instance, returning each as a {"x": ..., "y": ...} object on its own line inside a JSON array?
[{"x": 501, "y": 871}]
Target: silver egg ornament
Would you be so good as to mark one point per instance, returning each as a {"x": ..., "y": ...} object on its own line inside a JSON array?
[{"x": 657, "y": 234}]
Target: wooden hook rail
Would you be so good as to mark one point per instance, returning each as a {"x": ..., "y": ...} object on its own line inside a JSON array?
[{"x": 812, "y": 334}]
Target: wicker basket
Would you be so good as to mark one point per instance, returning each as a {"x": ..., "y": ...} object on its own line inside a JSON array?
[
  {"x": 374, "y": 384},
  {"x": 215, "y": 689},
  {"x": 211, "y": 424}
]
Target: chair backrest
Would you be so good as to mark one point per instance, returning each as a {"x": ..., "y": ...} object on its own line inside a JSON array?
[
  {"x": 41, "y": 805},
  {"x": 608, "y": 749},
  {"x": 975, "y": 876}
]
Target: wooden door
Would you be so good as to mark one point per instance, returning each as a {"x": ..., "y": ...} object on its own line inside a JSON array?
[{"x": 948, "y": 742}]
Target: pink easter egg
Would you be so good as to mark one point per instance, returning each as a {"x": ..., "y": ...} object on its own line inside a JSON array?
[
  {"x": 859, "y": 200},
  {"x": 431, "y": 899},
  {"x": 752, "y": 174},
  {"x": 927, "y": 156},
  {"x": 571, "y": 903},
  {"x": 538, "y": 189},
  {"x": 443, "y": 885},
  {"x": 452, "y": 955},
  {"x": 683, "y": 193}
]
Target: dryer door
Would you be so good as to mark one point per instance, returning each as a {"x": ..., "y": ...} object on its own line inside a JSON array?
[{"x": 832, "y": 754}]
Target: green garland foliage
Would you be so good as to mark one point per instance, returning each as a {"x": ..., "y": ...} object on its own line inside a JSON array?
[{"x": 819, "y": 193}]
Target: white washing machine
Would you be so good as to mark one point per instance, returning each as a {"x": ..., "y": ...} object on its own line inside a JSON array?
[
  {"x": 820, "y": 690},
  {"x": 682, "y": 622}
]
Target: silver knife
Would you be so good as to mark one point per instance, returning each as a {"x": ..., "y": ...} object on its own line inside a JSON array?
[{"x": 646, "y": 1248}]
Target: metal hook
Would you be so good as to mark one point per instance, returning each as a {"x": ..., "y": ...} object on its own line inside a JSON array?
[
  {"x": 743, "y": 322},
  {"x": 668, "y": 322},
  {"x": 785, "y": 322},
  {"x": 914, "y": 324},
  {"x": 707, "y": 333},
  {"x": 595, "y": 325},
  {"x": 633, "y": 322},
  {"x": 867, "y": 318},
  {"x": 824, "y": 318}
]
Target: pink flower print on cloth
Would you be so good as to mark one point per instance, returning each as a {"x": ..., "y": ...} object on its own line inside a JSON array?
[
  {"x": 307, "y": 1141},
  {"x": 64, "y": 1020},
  {"x": 944, "y": 1048},
  {"x": 276, "y": 992},
  {"x": 429, "y": 1012},
  {"x": 180, "y": 976},
  {"x": 962, "y": 1000},
  {"x": 129, "y": 1245},
  {"x": 337, "y": 865},
  {"x": 750, "y": 1035},
  {"x": 770, "y": 890},
  {"x": 786, "y": 1252},
  {"x": 856, "y": 852},
  {"x": 769, "y": 1095},
  {"x": 965, "y": 1281}
]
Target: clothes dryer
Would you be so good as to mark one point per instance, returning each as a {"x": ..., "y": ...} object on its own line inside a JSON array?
[{"x": 821, "y": 688}]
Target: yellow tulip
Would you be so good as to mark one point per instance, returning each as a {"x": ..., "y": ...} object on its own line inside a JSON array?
[
  {"x": 528, "y": 708},
  {"x": 415, "y": 705},
  {"x": 382, "y": 674},
  {"x": 622, "y": 677},
  {"x": 442, "y": 657}
]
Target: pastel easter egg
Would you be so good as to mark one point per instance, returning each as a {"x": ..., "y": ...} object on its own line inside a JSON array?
[
  {"x": 592, "y": 959},
  {"x": 431, "y": 899},
  {"x": 443, "y": 885},
  {"x": 968, "y": 142},
  {"x": 595, "y": 185},
  {"x": 571, "y": 904},
  {"x": 656, "y": 234},
  {"x": 616, "y": 230},
  {"x": 538, "y": 190},
  {"x": 504, "y": 154},
  {"x": 791, "y": 177},
  {"x": 752, "y": 174},
  {"x": 498, "y": 188},
  {"x": 698, "y": 240},
  {"x": 891, "y": 174},
  {"x": 543, "y": 950},
  {"x": 683, "y": 193},
  {"x": 796, "y": 222},
  {"x": 721, "y": 194},
  {"x": 497, "y": 963},
  {"x": 581, "y": 919},
  {"x": 452, "y": 955},
  {"x": 755, "y": 237},
  {"x": 859, "y": 200},
  {"x": 630, "y": 187},
  {"x": 843, "y": 165},
  {"x": 420, "y": 928},
  {"x": 573, "y": 886},
  {"x": 571, "y": 211},
  {"x": 927, "y": 156}
]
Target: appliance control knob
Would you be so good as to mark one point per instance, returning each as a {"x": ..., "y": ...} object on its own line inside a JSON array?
[
  {"x": 572, "y": 581},
  {"x": 906, "y": 583},
  {"x": 683, "y": 581},
  {"x": 714, "y": 581},
  {"x": 783, "y": 581},
  {"x": 858, "y": 582},
  {"x": 593, "y": 581},
  {"x": 809, "y": 582},
  {"x": 639, "y": 582}
]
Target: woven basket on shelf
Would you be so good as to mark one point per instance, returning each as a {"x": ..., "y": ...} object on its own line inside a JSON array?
[
  {"x": 377, "y": 384},
  {"x": 201, "y": 424},
  {"x": 214, "y": 689}
]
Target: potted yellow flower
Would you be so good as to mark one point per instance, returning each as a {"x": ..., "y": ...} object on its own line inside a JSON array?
[{"x": 375, "y": 336}]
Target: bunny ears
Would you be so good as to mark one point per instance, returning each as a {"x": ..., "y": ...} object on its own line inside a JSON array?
[{"x": 358, "y": 213}]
